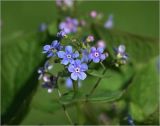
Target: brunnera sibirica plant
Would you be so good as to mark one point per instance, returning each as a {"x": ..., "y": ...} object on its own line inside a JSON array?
[{"x": 77, "y": 54}]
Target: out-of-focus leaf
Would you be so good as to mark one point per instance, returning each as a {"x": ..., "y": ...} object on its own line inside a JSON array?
[
  {"x": 139, "y": 49},
  {"x": 103, "y": 96},
  {"x": 96, "y": 74},
  {"x": 143, "y": 93},
  {"x": 20, "y": 60}
]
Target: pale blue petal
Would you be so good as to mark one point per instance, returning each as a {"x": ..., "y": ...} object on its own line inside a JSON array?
[
  {"x": 103, "y": 56},
  {"x": 71, "y": 68},
  {"x": 68, "y": 49},
  {"x": 74, "y": 76},
  {"x": 46, "y": 48},
  {"x": 84, "y": 67},
  {"x": 96, "y": 60},
  {"x": 90, "y": 56},
  {"x": 61, "y": 54},
  {"x": 93, "y": 49},
  {"x": 100, "y": 49},
  {"x": 77, "y": 62},
  {"x": 64, "y": 61},
  {"x": 82, "y": 75},
  {"x": 76, "y": 54}
]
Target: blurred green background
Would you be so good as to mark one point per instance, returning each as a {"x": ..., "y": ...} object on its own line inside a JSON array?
[
  {"x": 140, "y": 17},
  {"x": 20, "y": 18}
]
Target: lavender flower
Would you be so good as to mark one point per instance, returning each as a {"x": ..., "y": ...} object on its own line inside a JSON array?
[
  {"x": 109, "y": 23},
  {"x": 90, "y": 38},
  {"x": 101, "y": 44},
  {"x": 69, "y": 25},
  {"x": 93, "y": 14},
  {"x": 67, "y": 56},
  {"x": 77, "y": 70},
  {"x": 51, "y": 49},
  {"x": 96, "y": 54}
]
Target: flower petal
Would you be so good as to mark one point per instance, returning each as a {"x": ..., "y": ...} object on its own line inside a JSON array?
[
  {"x": 50, "y": 54},
  {"x": 93, "y": 49},
  {"x": 84, "y": 67},
  {"x": 90, "y": 56},
  {"x": 82, "y": 75},
  {"x": 96, "y": 60},
  {"x": 103, "y": 56},
  {"x": 74, "y": 76},
  {"x": 76, "y": 54},
  {"x": 61, "y": 54},
  {"x": 100, "y": 49},
  {"x": 77, "y": 62},
  {"x": 68, "y": 49},
  {"x": 46, "y": 48},
  {"x": 71, "y": 68},
  {"x": 54, "y": 43},
  {"x": 65, "y": 61}
]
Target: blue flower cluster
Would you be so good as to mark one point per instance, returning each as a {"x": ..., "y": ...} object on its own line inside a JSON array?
[{"x": 75, "y": 60}]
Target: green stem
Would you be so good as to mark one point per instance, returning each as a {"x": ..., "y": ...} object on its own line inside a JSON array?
[
  {"x": 96, "y": 84},
  {"x": 75, "y": 87},
  {"x": 64, "y": 109}
]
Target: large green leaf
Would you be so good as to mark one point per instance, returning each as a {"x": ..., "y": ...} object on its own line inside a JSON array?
[
  {"x": 139, "y": 48},
  {"x": 21, "y": 56},
  {"x": 144, "y": 92}
]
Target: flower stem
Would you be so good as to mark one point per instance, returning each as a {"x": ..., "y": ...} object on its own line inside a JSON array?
[
  {"x": 75, "y": 87},
  {"x": 64, "y": 109},
  {"x": 96, "y": 84}
]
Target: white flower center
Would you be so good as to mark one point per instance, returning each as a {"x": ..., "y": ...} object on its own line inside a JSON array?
[
  {"x": 68, "y": 56},
  {"x": 77, "y": 70},
  {"x": 96, "y": 54}
]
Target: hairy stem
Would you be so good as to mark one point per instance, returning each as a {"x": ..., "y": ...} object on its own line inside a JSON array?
[{"x": 65, "y": 110}]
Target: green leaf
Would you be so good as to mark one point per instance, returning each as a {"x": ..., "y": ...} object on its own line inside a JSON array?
[
  {"x": 139, "y": 48},
  {"x": 144, "y": 92},
  {"x": 21, "y": 57},
  {"x": 96, "y": 73},
  {"x": 103, "y": 96}
]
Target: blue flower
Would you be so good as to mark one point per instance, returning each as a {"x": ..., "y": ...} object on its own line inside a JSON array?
[
  {"x": 61, "y": 34},
  {"x": 77, "y": 70},
  {"x": 67, "y": 56},
  {"x": 51, "y": 49},
  {"x": 96, "y": 54},
  {"x": 69, "y": 25},
  {"x": 85, "y": 57}
]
